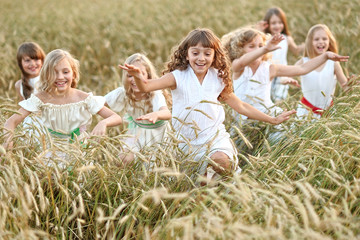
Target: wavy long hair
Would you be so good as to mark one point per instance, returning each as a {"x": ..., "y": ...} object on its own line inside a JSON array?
[
  {"x": 208, "y": 40},
  {"x": 48, "y": 74},
  {"x": 309, "y": 48}
]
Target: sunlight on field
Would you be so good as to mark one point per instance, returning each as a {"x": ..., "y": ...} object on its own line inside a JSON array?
[{"x": 307, "y": 186}]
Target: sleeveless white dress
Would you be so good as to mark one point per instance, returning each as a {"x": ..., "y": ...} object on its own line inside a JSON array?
[
  {"x": 280, "y": 91},
  {"x": 198, "y": 116},
  {"x": 318, "y": 87}
]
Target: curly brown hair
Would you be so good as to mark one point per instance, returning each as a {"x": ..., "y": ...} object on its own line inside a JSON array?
[
  {"x": 235, "y": 41},
  {"x": 207, "y": 39}
]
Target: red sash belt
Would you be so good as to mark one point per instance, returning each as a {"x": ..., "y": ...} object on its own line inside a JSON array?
[{"x": 315, "y": 110}]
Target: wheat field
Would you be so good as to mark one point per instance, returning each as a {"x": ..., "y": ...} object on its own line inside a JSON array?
[{"x": 306, "y": 186}]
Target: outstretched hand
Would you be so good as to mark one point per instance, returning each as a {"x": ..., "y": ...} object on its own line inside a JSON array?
[
  {"x": 272, "y": 44},
  {"x": 283, "y": 116},
  {"x": 337, "y": 57},
  {"x": 132, "y": 70},
  {"x": 151, "y": 117},
  {"x": 289, "y": 81}
]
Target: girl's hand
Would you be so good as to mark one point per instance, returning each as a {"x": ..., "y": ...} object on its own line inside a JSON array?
[
  {"x": 261, "y": 25},
  {"x": 289, "y": 81},
  {"x": 151, "y": 117},
  {"x": 336, "y": 57},
  {"x": 132, "y": 70},
  {"x": 99, "y": 129},
  {"x": 283, "y": 116},
  {"x": 272, "y": 44}
]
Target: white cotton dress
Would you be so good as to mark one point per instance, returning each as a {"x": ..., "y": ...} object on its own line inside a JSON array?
[
  {"x": 198, "y": 116},
  {"x": 318, "y": 87},
  {"x": 32, "y": 124},
  {"x": 280, "y": 91},
  {"x": 66, "y": 120},
  {"x": 143, "y": 132},
  {"x": 254, "y": 89}
]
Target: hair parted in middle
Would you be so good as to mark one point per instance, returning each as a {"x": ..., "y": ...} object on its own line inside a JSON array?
[
  {"x": 48, "y": 74},
  {"x": 309, "y": 48},
  {"x": 279, "y": 13},
  {"x": 178, "y": 59},
  {"x": 235, "y": 41}
]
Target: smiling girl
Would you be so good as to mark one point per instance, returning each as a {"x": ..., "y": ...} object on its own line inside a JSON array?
[
  {"x": 198, "y": 75},
  {"x": 65, "y": 110},
  {"x": 146, "y": 112},
  {"x": 30, "y": 58},
  {"x": 275, "y": 22},
  {"x": 318, "y": 86}
]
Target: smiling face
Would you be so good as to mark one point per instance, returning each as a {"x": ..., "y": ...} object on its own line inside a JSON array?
[
  {"x": 200, "y": 59},
  {"x": 130, "y": 81},
  {"x": 31, "y": 66},
  {"x": 64, "y": 76},
  {"x": 320, "y": 41},
  {"x": 276, "y": 25}
]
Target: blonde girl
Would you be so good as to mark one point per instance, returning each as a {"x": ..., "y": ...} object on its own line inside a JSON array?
[
  {"x": 318, "y": 86},
  {"x": 65, "y": 111},
  {"x": 146, "y": 112},
  {"x": 30, "y": 58},
  {"x": 252, "y": 73},
  {"x": 275, "y": 22},
  {"x": 198, "y": 75}
]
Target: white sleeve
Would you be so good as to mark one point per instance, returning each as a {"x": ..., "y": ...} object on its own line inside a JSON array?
[
  {"x": 158, "y": 101},
  {"x": 116, "y": 99}
]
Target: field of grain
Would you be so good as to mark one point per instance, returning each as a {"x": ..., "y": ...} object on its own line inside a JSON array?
[{"x": 307, "y": 186}]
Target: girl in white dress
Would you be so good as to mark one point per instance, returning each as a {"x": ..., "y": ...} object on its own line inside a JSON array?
[
  {"x": 252, "y": 73},
  {"x": 198, "y": 75},
  {"x": 30, "y": 58},
  {"x": 146, "y": 112},
  {"x": 319, "y": 85},
  {"x": 275, "y": 22},
  {"x": 65, "y": 111}
]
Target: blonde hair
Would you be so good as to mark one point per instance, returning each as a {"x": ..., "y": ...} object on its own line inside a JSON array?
[
  {"x": 309, "y": 48},
  {"x": 151, "y": 72},
  {"x": 33, "y": 51},
  {"x": 235, "y": 41},
  {"x": 279, "y": 13},
  {"x": 208, "y": 39},
  {"x": 48, "y": 74}
]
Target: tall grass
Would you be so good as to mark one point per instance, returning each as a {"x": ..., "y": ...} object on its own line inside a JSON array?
[{"x": 306, "y": 186}]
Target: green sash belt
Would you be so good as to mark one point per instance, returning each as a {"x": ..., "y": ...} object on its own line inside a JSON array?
[
  {"x": 133, "y": 124},
  {"x": 64, "y": 135}
]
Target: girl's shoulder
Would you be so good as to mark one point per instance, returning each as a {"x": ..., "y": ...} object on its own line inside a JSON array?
[{"x": 18, "y": 84}]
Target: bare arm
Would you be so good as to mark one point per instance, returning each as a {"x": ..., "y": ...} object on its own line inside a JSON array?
[
  {"x": 340, "y": 76},
  {"x": 149, "y": 85},
  {"x": 12, "y": 123},
  {"x": 111, "y": 119},
  {"x": 246, "y": 109},
  {"x": 239, "y": 64},
  {"x": 17, "y": 87},
  {"x": 277, "y": 70},
  {"x": 162, "y": 114},
  {"x": 295, "y": 49}
]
